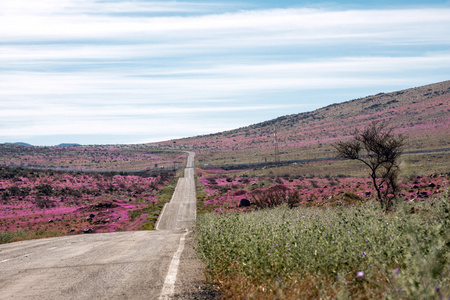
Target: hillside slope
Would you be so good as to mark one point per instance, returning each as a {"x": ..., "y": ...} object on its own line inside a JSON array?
[{"x": 421, "y": 113}]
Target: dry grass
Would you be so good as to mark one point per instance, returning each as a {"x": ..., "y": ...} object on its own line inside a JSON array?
[
  {"x": 417, "y": 164},
  {"x": 21, "y": 235},
  {"x": 357, "y": 252}
]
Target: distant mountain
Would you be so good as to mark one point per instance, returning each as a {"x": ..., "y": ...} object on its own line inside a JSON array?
[
  {"x": 19, "y": 143},
  {"x": 29, "y": 145},
  {"x": 421, "y": 113},
  {"x": 67, "y": 145}
]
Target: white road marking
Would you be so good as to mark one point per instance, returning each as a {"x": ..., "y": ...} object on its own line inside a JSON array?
[
  {"x": 5, "y": 260},
  {"x": 160, "y": 216},
  {"x": 169, "y": 284}
]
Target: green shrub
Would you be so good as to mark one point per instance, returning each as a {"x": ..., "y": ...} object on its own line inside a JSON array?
[
  {"x": 358, "y": 251},
  {"x": 20, "y": 235}
]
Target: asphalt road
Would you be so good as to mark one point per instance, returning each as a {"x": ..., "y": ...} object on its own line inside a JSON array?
[
  {"x": 180, "y": 212},
  {"x": 120, "y": 265}
]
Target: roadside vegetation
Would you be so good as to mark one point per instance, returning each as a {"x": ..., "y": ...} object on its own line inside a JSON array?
[
  {"x": 291, "y": 236},
  {"x": 44, "y": 203},
  {"x": 155, "y": 208},
  {"x": 357, "y": 252},
  {"x": 21, "y": 235},
  {"x": 223, "y": 192}
]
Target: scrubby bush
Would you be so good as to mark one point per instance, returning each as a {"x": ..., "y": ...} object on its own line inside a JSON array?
[
  {"x": 346, "y": 252},
  {"x": 19, "y": 235},
  {"x": 45, "y": 189},
  {"x": 379, "y": 149}
]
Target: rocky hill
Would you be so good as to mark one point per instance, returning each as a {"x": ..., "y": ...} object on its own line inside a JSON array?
[
  {"x": 422, "y": 113},
  {"x": 19, "y": 143}
]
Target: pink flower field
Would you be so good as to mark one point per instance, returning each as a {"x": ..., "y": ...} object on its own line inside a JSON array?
[
  {"x": 223, "y": 193},
  {"x": 33, "y": 200},
  {"x": 112, "y": 157}
]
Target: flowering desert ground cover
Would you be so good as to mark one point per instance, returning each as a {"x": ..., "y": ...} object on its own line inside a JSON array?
[
  {"x": 45, "y": 202},
  {"x": 224, "y": 192},
  {"x": 96, "y": 157},
  {"x": 353, "y": 252}
]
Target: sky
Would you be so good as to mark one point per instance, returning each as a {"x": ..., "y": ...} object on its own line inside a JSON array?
[{"x": 126, "y": 72}]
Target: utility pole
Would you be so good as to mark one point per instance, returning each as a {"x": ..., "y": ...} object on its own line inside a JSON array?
[{"x": 277, "y": 152}]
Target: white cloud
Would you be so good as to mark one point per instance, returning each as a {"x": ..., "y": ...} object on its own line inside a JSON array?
[
  {"x": 76, "y": 66},
  {"x": 277, "y": 26},
  {"x": 203, "y": 83},
  {"x": 62, "y": 112},
  {"x": 121, "y": 120},
  {"x": 74, "y": 7}
]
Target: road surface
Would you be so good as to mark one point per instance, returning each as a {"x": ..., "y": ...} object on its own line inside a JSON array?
[
  {"x": 180, "y": 212},
  {"x": 120, "y": 265}
]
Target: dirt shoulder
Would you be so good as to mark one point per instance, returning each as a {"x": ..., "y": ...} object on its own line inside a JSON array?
[{"x": 191, "y": 280}]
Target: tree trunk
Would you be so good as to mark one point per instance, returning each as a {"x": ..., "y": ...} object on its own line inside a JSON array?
[{"x": 377, "y": 188}]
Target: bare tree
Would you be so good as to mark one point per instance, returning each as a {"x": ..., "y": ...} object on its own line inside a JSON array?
[{"x": 379, "y": 149}]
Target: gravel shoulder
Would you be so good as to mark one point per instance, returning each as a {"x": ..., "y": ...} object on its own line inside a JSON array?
[{"x": 191, "y": 280}]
